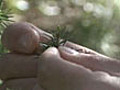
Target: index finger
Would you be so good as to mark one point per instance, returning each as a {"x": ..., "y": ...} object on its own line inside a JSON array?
[{"x": 81, "y": 49}]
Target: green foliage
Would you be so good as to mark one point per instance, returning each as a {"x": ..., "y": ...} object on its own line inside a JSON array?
[
  {"x": 91, "y": 21},
  {"x": 92, "y": 35},
  {"x": 1, "y": 82},
  {"x": 60, "y": 36},
  {"x": 5, "y": 16}
]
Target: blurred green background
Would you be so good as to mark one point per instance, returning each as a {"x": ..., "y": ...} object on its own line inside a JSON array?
[{"x": 96, "y": 23}]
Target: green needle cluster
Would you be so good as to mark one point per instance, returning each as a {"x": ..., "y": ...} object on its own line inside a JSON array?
[
  {"x": 60, "y": 36},
  {"x": 5, "y": 15}
]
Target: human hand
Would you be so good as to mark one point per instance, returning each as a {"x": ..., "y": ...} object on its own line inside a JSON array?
[
  {"x": 18, "y": 69},
  {"x": 78, "y": 68},
  {"x": 25, "y": 38},
  {"x": 62, "y": 71}
]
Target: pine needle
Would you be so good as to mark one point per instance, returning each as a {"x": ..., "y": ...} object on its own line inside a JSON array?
[{"x": 60, "y": 36}]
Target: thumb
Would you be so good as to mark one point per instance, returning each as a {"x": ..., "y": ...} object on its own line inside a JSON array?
[{"x": 51, "y": 52}]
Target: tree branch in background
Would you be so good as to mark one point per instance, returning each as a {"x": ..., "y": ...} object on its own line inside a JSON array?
[{"x": 5, "y": 15}]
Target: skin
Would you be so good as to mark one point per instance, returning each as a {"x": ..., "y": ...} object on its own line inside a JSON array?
[
  {"x": 24, "y": 37},
  {"x": 68, "y": 67}
]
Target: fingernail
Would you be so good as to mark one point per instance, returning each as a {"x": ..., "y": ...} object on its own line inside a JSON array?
[
  {"x": 45, "y": 37},
  {"x": 68, "y": 50},
  {"x": 52, "y": 50}
]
